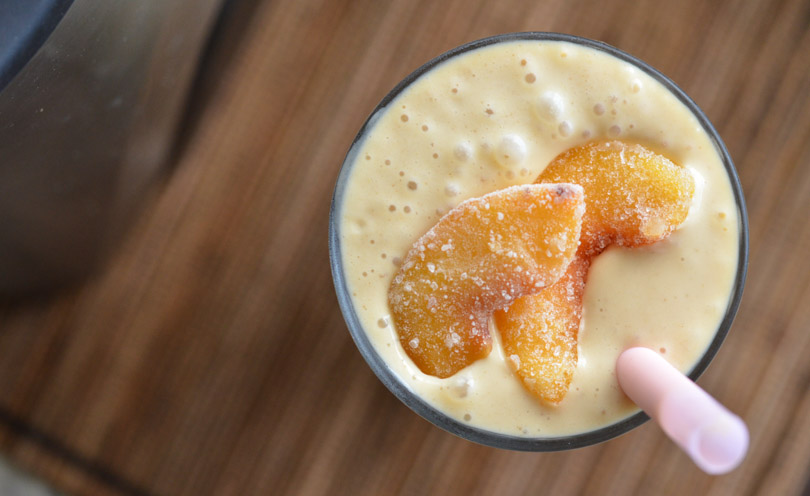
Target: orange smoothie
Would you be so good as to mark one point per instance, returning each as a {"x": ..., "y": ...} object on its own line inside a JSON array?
[{"x": 492, "y": 117}]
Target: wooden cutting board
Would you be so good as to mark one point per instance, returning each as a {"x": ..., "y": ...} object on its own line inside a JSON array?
[{"x": 210, "y": 356}]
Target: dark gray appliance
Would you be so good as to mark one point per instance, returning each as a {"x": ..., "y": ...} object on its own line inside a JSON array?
[{"x": 91, "y": 92}]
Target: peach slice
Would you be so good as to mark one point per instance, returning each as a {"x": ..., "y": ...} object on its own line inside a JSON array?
[
  {"x": 478, "y": 258},
  {"x": 634, "y": 197},
  {"x": 539, "y": 334}
]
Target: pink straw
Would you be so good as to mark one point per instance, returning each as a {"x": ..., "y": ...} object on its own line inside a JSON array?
[{"x": 710, "y": 434}]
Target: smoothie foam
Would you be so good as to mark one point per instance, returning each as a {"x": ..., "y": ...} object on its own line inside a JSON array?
[{"x": 494, "y": 117}]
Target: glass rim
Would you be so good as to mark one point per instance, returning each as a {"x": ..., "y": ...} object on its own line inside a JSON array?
[{"x": 392, "y": 381}]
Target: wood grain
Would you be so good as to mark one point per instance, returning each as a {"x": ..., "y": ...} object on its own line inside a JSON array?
[{"x": 210, "y": 356}]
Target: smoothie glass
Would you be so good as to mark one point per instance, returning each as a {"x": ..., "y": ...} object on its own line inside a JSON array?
[{"x": 397, "y": 385}]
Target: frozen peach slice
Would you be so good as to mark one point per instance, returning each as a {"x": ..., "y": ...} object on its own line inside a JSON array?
[
  {"x": 539, "y": 334},
  {"x": 478, "y": 258},
  {"x": 634, "y": 196}
]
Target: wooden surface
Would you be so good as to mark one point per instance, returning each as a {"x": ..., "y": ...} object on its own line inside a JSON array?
[{"x": 210, "y": 356}]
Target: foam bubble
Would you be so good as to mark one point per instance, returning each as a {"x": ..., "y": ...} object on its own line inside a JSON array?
[
  {"x": 511, "y": 150},
  {"x": 550, "y": 106},
  {"x": 463, "y": 151},
  {"x": 461, "y": 386}
]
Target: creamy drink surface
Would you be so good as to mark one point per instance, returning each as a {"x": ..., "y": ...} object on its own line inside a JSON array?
[{"x": 494, "y": 117}]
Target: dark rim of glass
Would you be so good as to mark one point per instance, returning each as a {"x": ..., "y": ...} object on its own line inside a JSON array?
[{"x": 392, "y": 381}]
